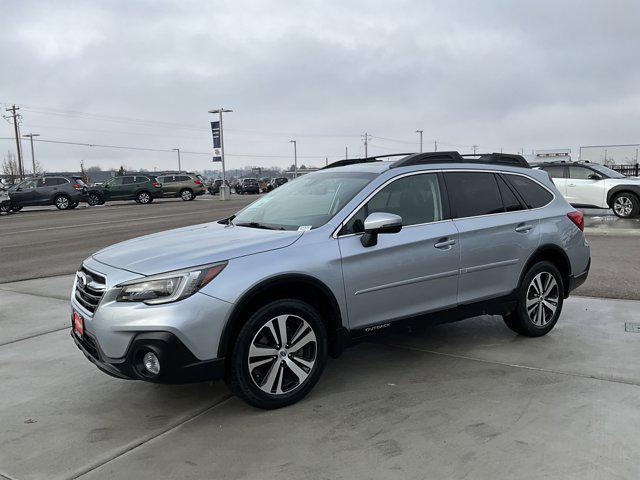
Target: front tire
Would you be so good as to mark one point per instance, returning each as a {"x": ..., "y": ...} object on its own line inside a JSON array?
[
  {"x": 540, "y": 299},
  {"x": 626, "y": 205},
  {"x": 94, "y": 199},
  {"x": 279, "y": 354},
  {"x": 73, "y": 205},
  {"x": 62, "y": 202}
]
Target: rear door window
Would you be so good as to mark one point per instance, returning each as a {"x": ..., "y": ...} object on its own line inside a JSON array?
[
  {"x": 579, "y": 173},
  {"x": 141, "y": 179},
  {"x": 534, "y": 194},
  {"x": 127, "y": 180},
  {"x": 555, "y": 171},
  {"x": 473, "y": 193}
]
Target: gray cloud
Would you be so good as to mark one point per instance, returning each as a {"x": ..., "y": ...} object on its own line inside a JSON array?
[{"x": 499, "y": 74}]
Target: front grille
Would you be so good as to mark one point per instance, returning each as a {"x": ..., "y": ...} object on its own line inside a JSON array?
[{"x": 90, "y": 287}]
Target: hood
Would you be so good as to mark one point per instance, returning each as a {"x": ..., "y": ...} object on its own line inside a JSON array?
[{"x": 191, "y": 246}]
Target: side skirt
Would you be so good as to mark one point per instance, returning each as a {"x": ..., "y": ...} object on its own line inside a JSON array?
[{"x": 494, "y": 306}]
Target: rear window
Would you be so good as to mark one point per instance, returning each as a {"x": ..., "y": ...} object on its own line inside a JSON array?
[
  {"x": 183, "y": 178},
  {"x": 473, "y": 193},
  {"x": 534, "y": 194}
]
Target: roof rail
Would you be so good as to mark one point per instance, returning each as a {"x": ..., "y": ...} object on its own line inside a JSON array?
[
  {"x": 353, "y": 161},
  {"x": 455, "y": 157}
]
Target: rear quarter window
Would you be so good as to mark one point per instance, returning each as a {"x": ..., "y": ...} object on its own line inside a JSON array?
[{"x": 534, "y": 194}]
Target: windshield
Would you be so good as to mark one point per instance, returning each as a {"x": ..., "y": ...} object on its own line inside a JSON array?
[
  {"x": 606, "y": 170},
  {"x": 307, "y": 202}
]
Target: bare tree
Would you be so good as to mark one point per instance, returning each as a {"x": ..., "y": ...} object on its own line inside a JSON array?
[{"x": 10, "y": 167}]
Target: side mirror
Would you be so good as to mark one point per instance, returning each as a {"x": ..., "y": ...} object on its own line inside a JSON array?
[
  {"x": 595, "y": 176},
  {"x": 377, "y": 223}
]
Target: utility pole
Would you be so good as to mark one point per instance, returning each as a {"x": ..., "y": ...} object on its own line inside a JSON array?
[
  {"x": 366, "y": 144},
  {"x": 435, "y": 145},
  {"x": 475, "y": 148},
  {"x": 224, "y": 189},
  {"x": 326, "y": 161},
  {"x": 295, "y": 158},
  {"x": 179, "y": 166},
  {"x": 420, "y": 132},
  {"x": 16, "y": 131},
  {"x": 346, "y": 153},
  {"x": 33, "y": 158}
]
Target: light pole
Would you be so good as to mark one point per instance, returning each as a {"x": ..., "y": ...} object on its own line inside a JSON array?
[
  {"x": 295, "y": 158},
  {"x": 33, "y": 158},
  {"x": 179, "y": 166},
  {"x": 420, "y": 132},
  {"x": 224, "y": 189}
]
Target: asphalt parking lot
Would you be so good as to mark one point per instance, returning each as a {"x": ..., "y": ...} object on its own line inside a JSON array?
[{"x": 464, "y": 400}]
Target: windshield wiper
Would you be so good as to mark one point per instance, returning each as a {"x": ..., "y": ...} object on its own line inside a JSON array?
[{"x": 258, "y": 225}]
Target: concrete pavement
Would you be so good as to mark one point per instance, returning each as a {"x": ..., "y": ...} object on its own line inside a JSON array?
[{"x": 464, "y": 400}]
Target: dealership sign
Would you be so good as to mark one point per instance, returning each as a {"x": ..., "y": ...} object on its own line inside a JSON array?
[{"x": 217, "y": 144}]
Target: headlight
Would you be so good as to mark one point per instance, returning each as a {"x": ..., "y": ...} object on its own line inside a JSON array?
[{"x": 170, "y": 286}]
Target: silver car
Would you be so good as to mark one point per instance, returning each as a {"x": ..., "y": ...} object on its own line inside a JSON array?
[{"x": 263, "y": 297}]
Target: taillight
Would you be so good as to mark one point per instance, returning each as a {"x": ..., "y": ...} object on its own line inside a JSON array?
[
  {"x": 197, "y": 182},
  {"x": 156, "y": 184},
  {"x": 577, "y": 218},
  {"x": 77, "y": 186}
]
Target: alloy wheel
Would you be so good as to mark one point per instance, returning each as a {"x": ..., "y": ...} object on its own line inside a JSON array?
[
  {"x": 623, "y": 206},
  {"x": 542, "y": 300},
  {"x": 144, "y": 197},
  {"x": 282, "y": 354},
  {"x": 62, "y": 203},
  {"x": 93, "y": 200},
  {"x": 186, "y": 195}
]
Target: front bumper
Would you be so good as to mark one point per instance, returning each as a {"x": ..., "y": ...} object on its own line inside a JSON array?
[{"x": 177, "y": 363}]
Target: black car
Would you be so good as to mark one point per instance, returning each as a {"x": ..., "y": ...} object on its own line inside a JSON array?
[
  {"x": 214, "y": 188},
  {"x": 248, "y": 185},
  {"x": 276, "y": 182},
  {"x": 141, "y": 187},
  {"x": 65, "y": 192}
]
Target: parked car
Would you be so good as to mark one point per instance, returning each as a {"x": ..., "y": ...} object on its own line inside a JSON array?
[
  {"x": 276, "y": 182},
  {"x": 5, "y": 201},
  {"x": 262, "y": 297},
  {"x": 65, "y": 192},
  {"x": 586, "y": 184},
  {"x": 248, "y": 185},
  {"x": 182, "y": 185},
  {"x": 141, "y": 187},
  {"x": 214, "y": 188}
]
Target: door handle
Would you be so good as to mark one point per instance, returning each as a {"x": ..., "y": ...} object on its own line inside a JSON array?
[
  {"x": 445, "y": 244},
  {"x": 572, "y": 185},
  {"x": 523, "y": 228}
]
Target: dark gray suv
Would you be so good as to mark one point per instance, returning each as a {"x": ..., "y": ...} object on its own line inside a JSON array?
[
  {"x": 62, "y": 191},
  {"x": 263, "y": 297}
]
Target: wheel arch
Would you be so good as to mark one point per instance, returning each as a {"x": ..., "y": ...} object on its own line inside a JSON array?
[
  {"x": 557, "y": 256},
  {"x": 298, "y": 286},
  {"x": 611, "y": 194}
]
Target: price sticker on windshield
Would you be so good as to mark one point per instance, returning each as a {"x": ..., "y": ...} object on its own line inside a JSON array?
[{"x": 305, "y": 228}]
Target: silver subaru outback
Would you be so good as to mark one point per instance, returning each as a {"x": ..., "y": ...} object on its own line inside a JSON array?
[{"x": 263, "y": 297}]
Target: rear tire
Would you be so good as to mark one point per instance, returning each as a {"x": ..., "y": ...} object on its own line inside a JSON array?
[
  {"x": 540, "y": 299},
  {"x": 73, "y": 205},
  {"x": 186, "y": 195},
  {"x": 626, "y": 205},
  {"x": 16, "y": 209},
  {"x": 144, "y": 198},
  {"x": 269, "y": 370},
  {"x": 5, "y": 208},
  {"x": 62, "y": 202}
]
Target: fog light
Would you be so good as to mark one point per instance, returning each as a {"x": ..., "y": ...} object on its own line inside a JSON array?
[{"x": 151, "y": 363}]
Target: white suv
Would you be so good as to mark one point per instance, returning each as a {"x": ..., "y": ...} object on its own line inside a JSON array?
[{"x": 586, "y": 184}]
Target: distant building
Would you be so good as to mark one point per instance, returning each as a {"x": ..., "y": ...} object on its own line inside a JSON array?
[{"x": 549, "y": 155}]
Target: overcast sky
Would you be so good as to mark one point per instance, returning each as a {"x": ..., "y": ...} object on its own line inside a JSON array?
[{"x": 499, "y": 74}]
